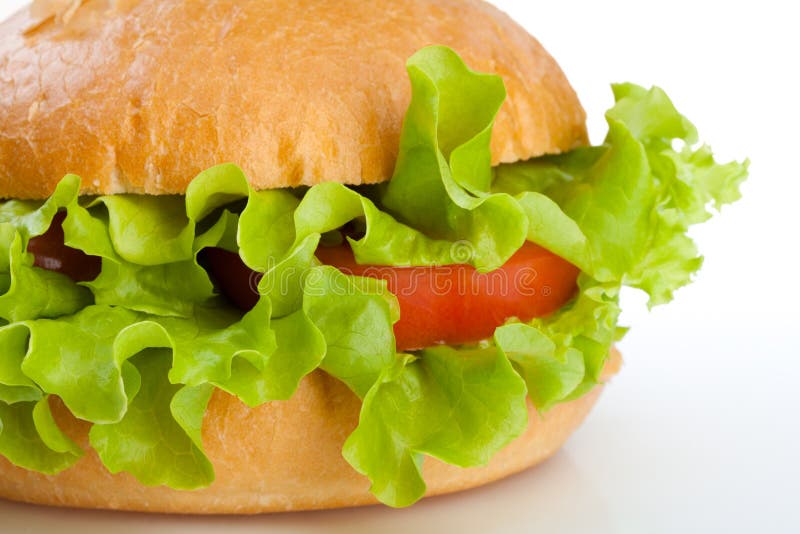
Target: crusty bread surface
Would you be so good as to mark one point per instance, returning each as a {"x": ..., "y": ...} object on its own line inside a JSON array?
[{"x": 138, "y": 97}]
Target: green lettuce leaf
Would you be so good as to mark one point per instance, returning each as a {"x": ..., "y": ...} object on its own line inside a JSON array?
[
  {"x": 29, "y": 438},
  {"x": 620, "y": 212},
  {"x": 443, "y": 175},
  {"x": 634, "y": 197},
  {"x": 551, "y": 370},
  {"x": 74, "y": 358},
  {"x": 15, "y": 386},
  {"x": 31, "y": 217},
  {"x": 34, "y": 292},
  {"x": 561, "y": 357},
  {"x": 459, "y": 406},
  {"x": 26, "y": 291},
  {"x": 162, "y": 424},
  {"x": 355, "y": 315}
]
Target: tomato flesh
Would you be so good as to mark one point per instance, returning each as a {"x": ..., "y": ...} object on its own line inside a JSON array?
[
  {"x": 451, "y": 304},
  {"x": 233, "y": 278},
  {"x": 456, "y": 304},
  {"x": 50, "y": 252}
]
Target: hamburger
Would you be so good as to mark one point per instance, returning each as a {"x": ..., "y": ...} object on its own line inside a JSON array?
[{"x": 266, "y": 255}]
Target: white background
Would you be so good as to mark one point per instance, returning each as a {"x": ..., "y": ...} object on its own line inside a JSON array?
[{"x": 701, "y": 430}]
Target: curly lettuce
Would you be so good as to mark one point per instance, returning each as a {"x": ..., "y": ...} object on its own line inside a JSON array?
[{"x": 138, "y": 351}]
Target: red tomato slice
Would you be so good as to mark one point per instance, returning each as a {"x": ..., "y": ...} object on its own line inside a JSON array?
[
  {"x": 456, "y": 304},
  {"x": 51, "y": 253},
  {"x": 232, "y": 277},
  {"x": 450, "y": 304}
]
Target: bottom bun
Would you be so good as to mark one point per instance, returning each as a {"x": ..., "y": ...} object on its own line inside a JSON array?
[{"x": 281, "y": 456}]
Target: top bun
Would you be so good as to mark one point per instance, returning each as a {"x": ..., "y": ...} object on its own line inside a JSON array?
[{"x": 138, "y": 97}]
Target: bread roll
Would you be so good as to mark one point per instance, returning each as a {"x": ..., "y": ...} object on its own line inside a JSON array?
[{"x": 138, "y": 97}]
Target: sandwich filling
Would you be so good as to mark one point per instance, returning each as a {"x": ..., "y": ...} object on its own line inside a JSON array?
[
  {"x": 443, "y": 298},
  {"x": 446, "y": 304}
]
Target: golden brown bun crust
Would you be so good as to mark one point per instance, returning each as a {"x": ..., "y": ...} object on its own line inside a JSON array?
[
  {"x": 140, "y": 97},
  {"x": 281, "y": 456}
]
